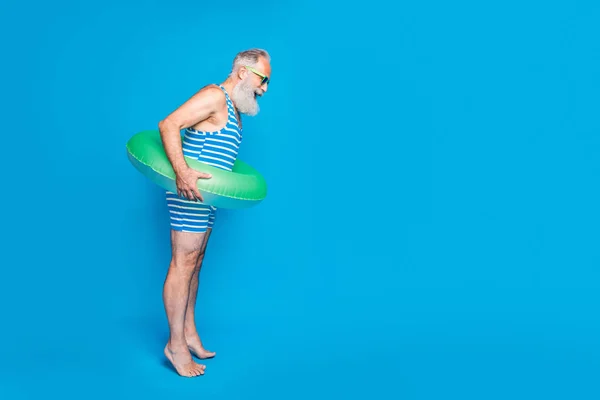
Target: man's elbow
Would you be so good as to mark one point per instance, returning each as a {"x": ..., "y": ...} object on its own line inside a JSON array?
[
  {"x": 161, "y": 124},
  {"x": 164, "y": 125}
]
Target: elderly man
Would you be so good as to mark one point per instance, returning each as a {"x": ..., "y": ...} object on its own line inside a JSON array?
[{"x": 213, "y": 133}]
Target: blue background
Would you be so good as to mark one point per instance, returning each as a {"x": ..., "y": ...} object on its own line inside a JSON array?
[{"x": 431, "y": 229}]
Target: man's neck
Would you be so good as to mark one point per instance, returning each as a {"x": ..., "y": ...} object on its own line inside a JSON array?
[{"x": 228, "y": 84}]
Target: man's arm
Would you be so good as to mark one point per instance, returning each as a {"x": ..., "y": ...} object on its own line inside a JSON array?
[{"x": 198, "y": 108}]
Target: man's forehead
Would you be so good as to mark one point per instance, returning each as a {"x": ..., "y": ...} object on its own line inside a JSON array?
[{"x": 264, "y": 66}]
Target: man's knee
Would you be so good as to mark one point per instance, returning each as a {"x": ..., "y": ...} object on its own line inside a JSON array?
[
  {"x": 185, "y": 261},
  {"x": 186, "y": 257}
]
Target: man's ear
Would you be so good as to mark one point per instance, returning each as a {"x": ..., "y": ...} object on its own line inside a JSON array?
[{"x": 242, "y": 72}]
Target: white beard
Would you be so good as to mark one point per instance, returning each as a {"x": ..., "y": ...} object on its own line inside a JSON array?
[{"x": 244, "y": 97}]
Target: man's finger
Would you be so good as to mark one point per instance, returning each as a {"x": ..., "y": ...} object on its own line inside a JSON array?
[
  {"x": 197, "y": 194},
  {"x": 204, "y": 175}
]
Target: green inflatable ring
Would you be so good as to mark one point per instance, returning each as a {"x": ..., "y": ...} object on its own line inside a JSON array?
[{"x": 242, "y": 187}]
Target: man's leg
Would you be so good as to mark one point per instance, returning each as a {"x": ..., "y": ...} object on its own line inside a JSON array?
[
  {"x": 186, "y": 248},
  {"x": 191, "y": 332}
]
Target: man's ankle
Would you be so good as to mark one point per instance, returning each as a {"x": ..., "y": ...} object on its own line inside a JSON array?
[
  {"x": 175, "y": 344},
  {"x": 190, "y": 332}
]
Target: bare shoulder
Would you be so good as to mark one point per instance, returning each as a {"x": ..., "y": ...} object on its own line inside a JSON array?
[
  {"x": 204, "y": 103},
  {"x": 209, "y": 97},
  {"x": 210, "y": 93}
]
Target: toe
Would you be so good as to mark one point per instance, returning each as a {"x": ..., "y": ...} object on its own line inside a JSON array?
[{"x": 207, "y": 354}]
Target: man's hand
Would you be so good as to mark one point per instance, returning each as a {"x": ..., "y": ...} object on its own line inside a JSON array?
[{"x": 187, "y": 182}]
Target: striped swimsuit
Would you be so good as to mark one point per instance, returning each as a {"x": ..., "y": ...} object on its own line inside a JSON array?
[{"x": 218, "y": 149}]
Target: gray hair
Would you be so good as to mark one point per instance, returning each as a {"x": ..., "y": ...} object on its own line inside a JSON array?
[{"x": 248, "y": 57}]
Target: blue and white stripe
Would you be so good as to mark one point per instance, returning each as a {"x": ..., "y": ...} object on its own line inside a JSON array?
[
  {"x": 218, "y": 149},
  {"x": 189, "y": 216}
]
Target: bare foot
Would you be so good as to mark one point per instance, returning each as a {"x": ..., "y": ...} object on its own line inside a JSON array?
[
  {"x": 196, "y": 348},
  {"x": 183, "y": 362}
]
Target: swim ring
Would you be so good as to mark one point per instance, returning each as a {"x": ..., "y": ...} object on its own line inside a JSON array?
[{"x": 242, "y": 187}]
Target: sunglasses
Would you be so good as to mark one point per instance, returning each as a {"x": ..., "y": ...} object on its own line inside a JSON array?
[{"x": 265, "y": 79}]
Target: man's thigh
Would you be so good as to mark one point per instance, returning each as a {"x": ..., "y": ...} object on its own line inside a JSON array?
[{"x": 187, "y": 246}]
